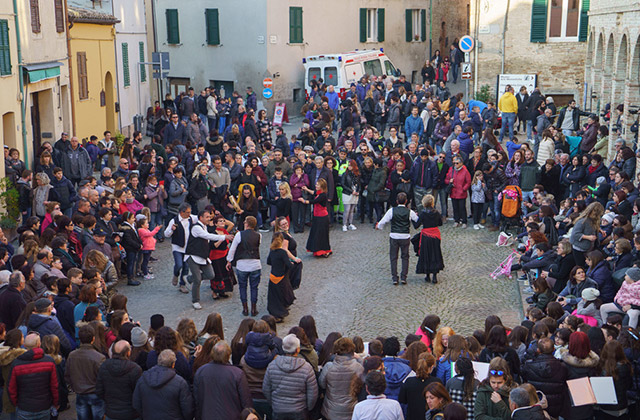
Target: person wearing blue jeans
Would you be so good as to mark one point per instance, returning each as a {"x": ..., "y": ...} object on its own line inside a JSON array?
[
  {"x": 178, "y": 231},
  {"x": 508, "y": 121},
  {"x": 89, "y": 407},
  {"x": 245, "y": 251}
]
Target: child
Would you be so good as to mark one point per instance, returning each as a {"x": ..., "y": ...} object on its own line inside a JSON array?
[
  {"x": 148, "y": 245},
  {"x": 561, "y": 342},
  {"x": 478, "y": 198},
  {"x": 542, "y": 294},
  {"x": 95, "y": 153},
  {"x": 627, "y": 299},
  {"x": 512, "y": 146},
  {"x": 589, "y": 307},
  {"x": 155, "y": 195}
]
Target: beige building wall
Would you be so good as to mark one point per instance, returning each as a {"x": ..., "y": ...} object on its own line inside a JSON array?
[
  {"x": 10, "y": 125},
  {"x": 612, "y": 63},
  {"x": 332, "y": 26},
  {"x": 53, "y": 102},
  {"x": 559, "y": 65}
]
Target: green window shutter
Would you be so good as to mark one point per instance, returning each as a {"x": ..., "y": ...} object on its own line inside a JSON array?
[
  {"x": 213, "y": 27},
  {"x": 408, "y": 24},
  {"x": 363, "y": 25},
  {"x": 295, "y": 25},
  {"x": 143, "y": 68},
  {"x": 539, "y": 21},
  {"x": 125, "y": 64},
  {"x": 380, "y": 25},
  {"x": 423, "y": 24},
  {"x": 5, "y": 50},
  {"x": 173, "y": 28},
  {"x": 583, "y": 31}
]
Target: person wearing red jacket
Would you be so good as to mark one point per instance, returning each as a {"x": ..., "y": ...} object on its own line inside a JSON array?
[{"x": 459, "y": 181}]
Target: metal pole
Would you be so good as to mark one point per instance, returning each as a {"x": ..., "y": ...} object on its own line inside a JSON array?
[
  {"x": 475, "y": 52},
  {"x": 466, "y": 89}
]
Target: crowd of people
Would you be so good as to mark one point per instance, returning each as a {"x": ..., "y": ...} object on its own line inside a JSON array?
[{"x": 214, "y": 178}]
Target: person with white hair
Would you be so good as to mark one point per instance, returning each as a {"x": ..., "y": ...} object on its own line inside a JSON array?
[
  {"x": 161, "y": 393},
  {"x": 290, "y": 384},
  {"x": 521, "y": 408}
]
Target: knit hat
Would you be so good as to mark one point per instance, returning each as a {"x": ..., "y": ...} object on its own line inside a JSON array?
[
  {"x": 590, "y": 293},
  {"x": 157, "y": 321},
  {"x": 609, "y": 217},
  {"x": 633, "y": 273},
  {"x": 138, "y": 337},
  {"x": 140, "y": 216},
  {"x": 290, "y": 344},
  {"x": 600, "y": 180},
  {"x": 42, "y": 304}
]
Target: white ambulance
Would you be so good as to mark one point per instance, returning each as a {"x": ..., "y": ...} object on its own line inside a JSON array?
[{"x": 340, "y": 70}]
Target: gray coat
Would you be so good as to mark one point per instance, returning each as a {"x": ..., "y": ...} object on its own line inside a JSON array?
[
  {"x": 582, "y": 227},
  {"x": 76, "y": 164},
  {"x": 176, "y": 195},
  {"x": 162, "y": 394},
  {"x": 335, "y": 378},
  {"x": 290, "y": 385}
]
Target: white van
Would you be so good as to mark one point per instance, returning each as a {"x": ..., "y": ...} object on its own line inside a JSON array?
[{"x": 340, "y": 70}]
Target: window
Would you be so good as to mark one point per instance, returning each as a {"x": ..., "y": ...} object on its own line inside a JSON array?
[
  {"x": 173, "y": 28},
  {"x": 59, "y": 8},
  {"x": 559, "y": 20},
  {"x": 35, "y": 15},
  {"x": 389, "y": 69},
  {"x": 295, "y": 25},
  {"x": 373, "y": 67},
  {"x": 213, "y": 27},
  {"x": 371, "y": 25},
  {"x": 331, "y": 76},
  {"x": 143, "y": 68},
  {"x": 314, "y": 74},
  {"x": 125, "y": 65},
  {"x": 5, "y": 50},
  {"x": 416, "y": 25},
  {"x": 83, "y": 86}
]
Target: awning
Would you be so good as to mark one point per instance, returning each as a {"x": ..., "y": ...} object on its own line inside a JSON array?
[{"x": 42, "y": 71}]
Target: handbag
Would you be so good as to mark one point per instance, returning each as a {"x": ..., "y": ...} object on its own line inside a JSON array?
[
  {"x": 382, "y": 196},
  {"x": 404, "y": 187}
]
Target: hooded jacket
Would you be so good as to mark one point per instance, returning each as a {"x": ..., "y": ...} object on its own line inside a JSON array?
[
  {"x": 116, "y": 382},
  {"x": 162, "y": 394},
  {"x": 7, "y": 356},
  {"x": 290, "y": 385},
  {"x": 260, "y": 350},
  {"x": 396, "y": 371},
  {"x": 548, "y": 375},
  {"x": 629, "y": 294},
  {"x": 602, "y": 276},
  {"x": 335, "y": 378},
  {"x": 63, "y": 192},
  {"x": 33, "y": 382},
  {"x": 578, "y": 368},
  {"x": 485, "y": 409}
]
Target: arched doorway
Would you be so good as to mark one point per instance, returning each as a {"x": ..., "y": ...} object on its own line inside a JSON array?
[
  {"x": 596, "y": 72},
  {"x": 607, "y": 73},
  {"x": 588, "y": 66},
  {"x": 110, "y": 103},
  {"x": 617, "y": 88}
]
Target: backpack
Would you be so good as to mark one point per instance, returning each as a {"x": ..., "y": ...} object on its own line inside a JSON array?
[{"x": 511, "y": 201}]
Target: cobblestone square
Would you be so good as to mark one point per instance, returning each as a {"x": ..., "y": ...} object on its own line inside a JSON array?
[{"x": 351, "y": 292}]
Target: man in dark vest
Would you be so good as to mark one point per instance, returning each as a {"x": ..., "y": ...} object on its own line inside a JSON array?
[
  {"x": 247, "y": 247},
  {"x": 196, "y": 254},
  {"x": 400, "y": 236},
  {"x": 178, "y": 230}
]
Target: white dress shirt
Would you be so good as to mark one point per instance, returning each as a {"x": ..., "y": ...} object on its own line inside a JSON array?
[
  {"x": 243, "y": 265},
  {"x": 387, "y": 218},
  {"x": 200, "y": 231}
]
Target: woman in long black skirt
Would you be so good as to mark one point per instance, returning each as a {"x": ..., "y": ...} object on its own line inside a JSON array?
[
  {"x": 282, "y": 226},
  {"x": 280, "y": 293},
  {"x": 224, "y": 279},
  {"x": 318, "y": 241},
  {"x": 430, "y": 260}
]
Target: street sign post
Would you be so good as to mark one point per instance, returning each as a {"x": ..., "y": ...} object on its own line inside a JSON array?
[
  {"x": 267, "y": 82},
  {"x": 267, "y": 93},
  {"x": 466, "y": 71},
  {"x": 466, "y": 44}
]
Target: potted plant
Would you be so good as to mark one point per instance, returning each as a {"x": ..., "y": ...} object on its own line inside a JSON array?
[{"x": 9, "y": 210}]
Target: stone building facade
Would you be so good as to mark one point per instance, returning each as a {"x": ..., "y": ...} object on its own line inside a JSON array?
[
  {"x": 612, "y": 63},
  {"x": 542, "y": 37}
]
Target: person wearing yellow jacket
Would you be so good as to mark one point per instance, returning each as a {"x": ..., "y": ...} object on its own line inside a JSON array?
[{"x": 508, "y": 106}]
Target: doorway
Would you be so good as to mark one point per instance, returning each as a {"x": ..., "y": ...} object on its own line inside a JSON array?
[
  {"x": 35, "y": 121},
  {"x": 110, "y": 103},
  {"x": 178, "y": 85},
  {"x": 223, "y": 87}
]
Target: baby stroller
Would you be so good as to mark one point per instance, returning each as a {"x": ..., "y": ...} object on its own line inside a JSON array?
[
  {"x": 511, "y": 198},
  {"x": 505, "y": 267}
]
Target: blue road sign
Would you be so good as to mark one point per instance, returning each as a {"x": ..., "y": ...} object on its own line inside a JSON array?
[
  {"x": 466, "y": 44},
  {"x": 267, "y": 93}
]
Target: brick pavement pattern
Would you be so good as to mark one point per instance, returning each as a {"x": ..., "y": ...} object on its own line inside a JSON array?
[{"x": 351, "y": 292}]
